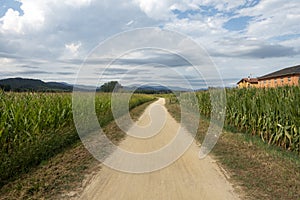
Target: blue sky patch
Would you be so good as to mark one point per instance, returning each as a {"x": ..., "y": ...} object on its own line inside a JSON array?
[
  {"x": 285, "y": 37},
  {"x": 250, "y": 3},
  {"x": 208, "y": 11},
  {"x": 237, "y": 24},
  {"x": 184, "y": 14},
  {"x": 7, "y": 4}
]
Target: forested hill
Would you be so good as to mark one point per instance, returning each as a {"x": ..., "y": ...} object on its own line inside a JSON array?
[{"x": 22, "y": 85}]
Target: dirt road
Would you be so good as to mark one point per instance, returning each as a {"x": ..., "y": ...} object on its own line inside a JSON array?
[{"x": 187, "y": 178}]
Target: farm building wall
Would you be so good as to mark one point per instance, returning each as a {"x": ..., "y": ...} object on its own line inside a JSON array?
[{"x": 289, "y": 80}]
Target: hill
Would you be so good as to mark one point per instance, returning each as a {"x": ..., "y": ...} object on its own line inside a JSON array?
[{"x": 23, "y": 85}]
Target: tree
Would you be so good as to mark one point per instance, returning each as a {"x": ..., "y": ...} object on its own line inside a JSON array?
[
  {"x": 110, "y": 86},
  {"x": 5, "y": 87}
]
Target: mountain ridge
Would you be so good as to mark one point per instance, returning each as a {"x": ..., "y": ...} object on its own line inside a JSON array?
[
  {"x": 19, "y": 84},
  {"x": 25, "y": 84}
]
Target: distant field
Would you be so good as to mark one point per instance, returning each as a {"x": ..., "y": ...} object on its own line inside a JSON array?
[{"x": 36, "y": 126}]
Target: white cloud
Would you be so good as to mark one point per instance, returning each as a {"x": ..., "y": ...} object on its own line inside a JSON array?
[
  {"x": 32, "y": 20},
  {"x": 155, "y": 9},
  {"x": 36, "y": 13},
  {"x": 6, "y": 61},
  {"x": 220, "y": 5},
  {"x": 129, "y": 23},
  {"x": 273, "y": 18},
  {"x": 73, "y": 48},
  {"x": 190, "y": 69},
  {"x": 51, "y": 32},
  {"x": 78, "y": 3},
  {"x": 10, "y": 22}
]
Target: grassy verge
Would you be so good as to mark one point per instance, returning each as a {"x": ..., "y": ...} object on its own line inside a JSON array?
[
  {"x": 260, "y": 170},
  {"x": 64, "y": 175}
]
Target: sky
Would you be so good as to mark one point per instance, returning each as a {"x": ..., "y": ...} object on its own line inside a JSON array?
[{"x": 55, "y": 40}]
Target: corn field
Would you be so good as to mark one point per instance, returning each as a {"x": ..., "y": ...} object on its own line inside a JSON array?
[
  {"x": 36, "y": 126},
  {"x": 272, "y": 114}
]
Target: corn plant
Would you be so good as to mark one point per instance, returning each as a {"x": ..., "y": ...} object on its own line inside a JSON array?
[
  {"x": 273, "y": 114},
  {"x": 36, "y": 126}
]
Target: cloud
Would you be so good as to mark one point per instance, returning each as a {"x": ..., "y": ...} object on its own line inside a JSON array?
[
  {"x": 78, "y": 3},
  {"x": 56, "y": 36},
  {"x": 129, "y": 23},
  {"x": 162, "y": 60},
  {"x": 25, "y": 73},
  {"x": 273, "y": 18},
  {"x": 270, "y": 51},
  {"x": 11, "y": 22},
  {"x": 253, "y": 49},
  {"x": 73, "y": 48},
  {"x": 32, "y": 19},
  {"x": 50, "y": 25},
  {"x": 155, "y": 9},
  {"x": 33, "y": 72},
  {"x": 28, "y": 67},
  {"x": 9, "y": 4},
  {"x": 65, "y": 73}
]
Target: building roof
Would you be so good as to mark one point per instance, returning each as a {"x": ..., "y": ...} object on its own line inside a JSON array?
[
  {"x": 250, "y": 80},
  {"x": 283, "y": 72}
]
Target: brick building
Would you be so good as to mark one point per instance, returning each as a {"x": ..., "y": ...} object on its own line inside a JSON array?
[
  {"x": 248, "y": 82},
  {"x": 288, "y": 76}
]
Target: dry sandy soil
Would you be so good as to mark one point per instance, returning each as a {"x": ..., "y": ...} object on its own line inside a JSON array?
[{"x": 186, "y": 178}]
